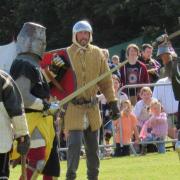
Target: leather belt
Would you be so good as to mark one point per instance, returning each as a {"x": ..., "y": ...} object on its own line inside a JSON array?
[{"x": 81, "y": 101}]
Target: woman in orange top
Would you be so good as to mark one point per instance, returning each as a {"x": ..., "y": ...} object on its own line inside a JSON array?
[{"x": 125, "y": 127}]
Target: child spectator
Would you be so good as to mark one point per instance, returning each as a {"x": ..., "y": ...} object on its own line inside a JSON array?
[
  {"x": 115, "y": 59},
  {"x": 119, "y": 94},
  {"x": 124, "y": 129},
  {"x": 156, "y": 128},
  {"x": 107, "y": 123},
  {"x": 141, "y": 108},
  {"x": 111, "y": 65}
]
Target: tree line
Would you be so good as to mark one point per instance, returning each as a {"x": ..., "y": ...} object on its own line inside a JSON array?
[{"x": 113, "y": 22}]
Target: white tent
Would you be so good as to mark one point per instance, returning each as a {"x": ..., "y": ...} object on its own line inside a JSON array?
[{"x": 7, "y": 55}]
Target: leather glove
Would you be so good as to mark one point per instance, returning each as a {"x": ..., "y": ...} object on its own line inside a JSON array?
[
  {"x": 160, "y": 40},
  {"x": 114, "y": 110},
  {"x": 23, "y": 144},
  {"x": 46, "y": 105},
  {"x": 56, "y": 64}
]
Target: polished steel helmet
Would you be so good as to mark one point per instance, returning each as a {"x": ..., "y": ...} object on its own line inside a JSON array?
[
  {"x": 31, "y": 39},
  {"x": 162, "y": 49},
  {"x": 81, "y": 26}
]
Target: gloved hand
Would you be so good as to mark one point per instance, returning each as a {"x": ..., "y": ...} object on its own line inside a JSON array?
[
  {"x": 56, "y": 64},
  {"x": 160, "y": 40},
  {"x": 23, "y": 144},
  {"x": 46, "y": 105},
  {"x": 53, "y": 108},
  {"x": 114, "y": 110}
]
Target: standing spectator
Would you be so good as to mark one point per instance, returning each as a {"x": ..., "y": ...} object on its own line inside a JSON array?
[
  {"x": 82, "y": 116},
  {"x": 172, "y": 69},
  {"x": 151, "y": 64},
  {"x": 156, "y": 128},
  {"x": 111, "y": 65},
  {"x": 128, "y": 124},
  {"x": 134, "y": 72},
  {"x": 13, "y": 123},
  {"x": 171, "y": 66},
  {"x": 115, "y": 59}
]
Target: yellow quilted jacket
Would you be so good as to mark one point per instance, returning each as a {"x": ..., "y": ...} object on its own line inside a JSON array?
[{"x": 88, "y": 65}]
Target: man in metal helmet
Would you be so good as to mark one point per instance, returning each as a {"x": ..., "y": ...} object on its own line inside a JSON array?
[
  {"x": 172, "y": 70},
  {"x": 82, "y": 26},
  {"x": 31, "y": 44},
  {"x": 82, "y": 116},
  {"x": 171, "y": 63},
  {"x": 32, "y": 39}
]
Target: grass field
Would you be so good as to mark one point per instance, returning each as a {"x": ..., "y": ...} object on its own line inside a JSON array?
[{"x": 150, "y": 167}]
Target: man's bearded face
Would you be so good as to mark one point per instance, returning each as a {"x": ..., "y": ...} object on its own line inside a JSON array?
[{"x": 82, "y": 38}]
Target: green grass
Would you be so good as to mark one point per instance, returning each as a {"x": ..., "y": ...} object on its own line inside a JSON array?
[{"x": 150, "y": 167}]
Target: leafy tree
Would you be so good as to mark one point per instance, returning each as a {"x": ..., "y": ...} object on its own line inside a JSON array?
[{"x": 113, "y": 21}]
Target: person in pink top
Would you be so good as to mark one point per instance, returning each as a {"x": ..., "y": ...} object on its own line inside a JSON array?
[
  {"x": 155, "y": 128},
  {"x": 125, "y": 127}
]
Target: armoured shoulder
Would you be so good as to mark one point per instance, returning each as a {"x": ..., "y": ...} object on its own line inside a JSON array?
[{"x": 25, "y": 68}]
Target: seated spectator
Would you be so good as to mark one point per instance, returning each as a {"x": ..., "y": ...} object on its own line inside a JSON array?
[
  {"x": 115, "y": 59},
  {"x": 155, "y": 128},
  {"x": 134, "y": 72},
  {"x": 141, "y": 108},
  {"x": 152, "y": 65},
  {"x": 164, "y": 93},
  {"x": 124, "y": 129}
]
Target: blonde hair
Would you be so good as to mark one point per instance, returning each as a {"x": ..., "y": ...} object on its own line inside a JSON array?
[
  {"x": 134, "y": 46},
  {"x": 114, "y": 76},
  {"x": 145, "y": 89},
  {"x": 155, "y": 102},
  {"x": 128, "y": 102}
]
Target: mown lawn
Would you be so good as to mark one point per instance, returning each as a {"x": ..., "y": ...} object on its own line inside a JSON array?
[{"x": 150, "y": 167}]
